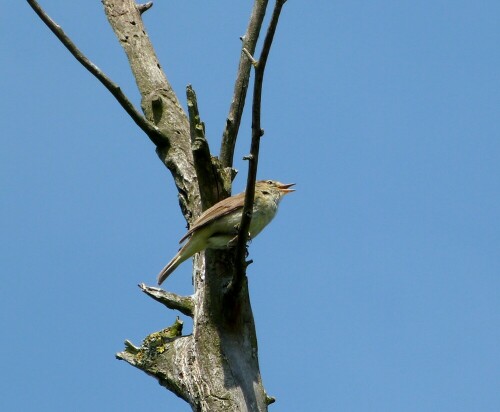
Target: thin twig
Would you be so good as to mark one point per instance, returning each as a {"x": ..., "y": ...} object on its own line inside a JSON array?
[
  {"x": 249, "y": 41},
  {"x": 152, "y": 131},
  {"x": 184, "y": 304},
  {"x": 240, "y": 253},
  {"x": 250, "y": 57}
]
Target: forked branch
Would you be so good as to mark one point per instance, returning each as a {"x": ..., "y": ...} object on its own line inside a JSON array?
[
  {"x": 249, "y": 41},
  {"x": 253, "y": 159}
]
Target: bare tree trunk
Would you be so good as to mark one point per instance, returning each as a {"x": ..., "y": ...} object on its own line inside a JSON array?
[{"x": 215, "y": 368}]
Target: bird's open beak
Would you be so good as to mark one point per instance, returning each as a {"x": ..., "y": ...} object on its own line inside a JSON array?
[{"x": 286, "y": 187}]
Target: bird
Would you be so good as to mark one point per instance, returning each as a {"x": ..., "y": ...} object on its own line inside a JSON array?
[{"x": 217, "y": 227}]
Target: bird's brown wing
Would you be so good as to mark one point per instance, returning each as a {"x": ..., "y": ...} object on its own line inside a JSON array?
[{"x": 223, "y": 208}]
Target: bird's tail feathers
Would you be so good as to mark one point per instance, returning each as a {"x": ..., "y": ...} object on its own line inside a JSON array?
[
  {"x": 169, "y": 268},
  {"x": 185, "y": 252}
]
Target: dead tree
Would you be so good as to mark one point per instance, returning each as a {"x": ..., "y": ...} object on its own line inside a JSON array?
[{"x": 216, "y": 367}]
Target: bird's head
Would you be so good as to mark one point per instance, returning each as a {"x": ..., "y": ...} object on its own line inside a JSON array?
[{"x": 273, "y": 187}]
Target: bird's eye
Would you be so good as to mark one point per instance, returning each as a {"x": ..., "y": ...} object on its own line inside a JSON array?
[{"x": 270, "y": 181}]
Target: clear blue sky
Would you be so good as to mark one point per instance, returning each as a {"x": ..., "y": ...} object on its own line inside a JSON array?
[{"x": 377, "y": 287}]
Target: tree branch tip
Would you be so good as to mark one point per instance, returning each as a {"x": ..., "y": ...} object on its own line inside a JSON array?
[
  {"x": 248, "y": 157},
  {"x": 248, "y": 262},
  {"x": 270, "y": 399},
  {"x": 146, "y": 288},
  {"x": 190, "y": 91},
  {"x": 144, "y": 7},
  {"x": 131, "y": 348},
  {"x": 184, "y": 304},
  {"x": 254, "y": 62}
]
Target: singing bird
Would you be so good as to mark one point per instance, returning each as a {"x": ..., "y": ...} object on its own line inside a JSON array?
[{"x": 217, "y": 226}]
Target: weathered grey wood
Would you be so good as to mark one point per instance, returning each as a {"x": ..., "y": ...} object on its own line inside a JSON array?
[{"x": 158, "y": 100}]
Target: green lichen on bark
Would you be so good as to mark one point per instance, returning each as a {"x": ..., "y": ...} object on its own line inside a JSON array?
[{"x": 154, "y": 344}]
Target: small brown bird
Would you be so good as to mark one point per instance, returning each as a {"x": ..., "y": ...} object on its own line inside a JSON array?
[{"x": 217, "y": 226}]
